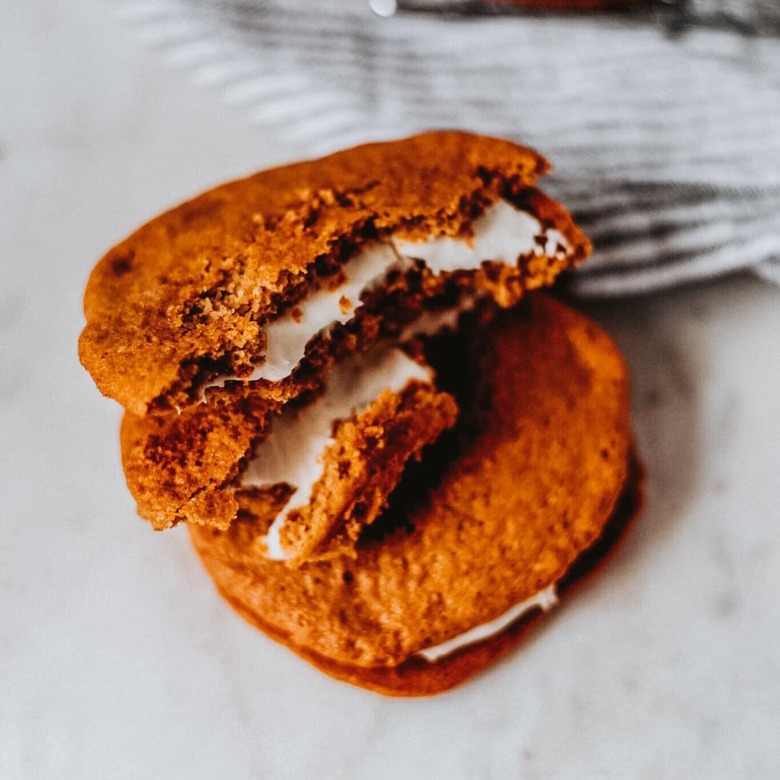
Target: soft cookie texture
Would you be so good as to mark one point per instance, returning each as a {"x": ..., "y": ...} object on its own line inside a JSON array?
[
  {"x": 526, "y": 482},
  {"x": 361, "y": 468},
  {"x": 342, "y": 376},
  {"x": 417, "y": 677},
  {"x": 185, "y": 297},
  {"x": 195, "y": 279}
]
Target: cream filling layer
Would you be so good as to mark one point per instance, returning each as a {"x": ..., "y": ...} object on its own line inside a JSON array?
[
  {"x": 293, "y": 451},
  {"x": 502, "y": 234},
  {"x": 545, "y": 599},
  {"x": 287, "y": 337}
]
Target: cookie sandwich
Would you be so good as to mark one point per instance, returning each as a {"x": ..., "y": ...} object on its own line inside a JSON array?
[{"x": 392, "y": 451}]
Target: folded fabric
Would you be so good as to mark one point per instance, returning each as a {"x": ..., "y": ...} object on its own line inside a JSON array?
[{"x": 664, "y": 127}]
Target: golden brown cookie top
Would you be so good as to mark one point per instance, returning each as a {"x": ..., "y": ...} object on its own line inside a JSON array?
[{"x": 190, "y": 290}]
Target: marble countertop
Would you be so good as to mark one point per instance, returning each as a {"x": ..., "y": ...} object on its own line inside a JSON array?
[{"x": 117, "y": 658}]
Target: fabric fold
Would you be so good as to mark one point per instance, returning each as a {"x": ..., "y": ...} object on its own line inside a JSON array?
[{"x": 665, "y": 127}]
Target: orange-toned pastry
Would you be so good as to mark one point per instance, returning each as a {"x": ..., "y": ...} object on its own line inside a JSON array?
[
  {"x": 478, "y": 533},
  {"x": 214, "y": 287},
  {"x": 217, "y": 314},
  {"x": 338, "y": 374}
]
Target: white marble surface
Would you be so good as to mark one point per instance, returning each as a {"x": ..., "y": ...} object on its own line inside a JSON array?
[{"x": 117, "y": 659}]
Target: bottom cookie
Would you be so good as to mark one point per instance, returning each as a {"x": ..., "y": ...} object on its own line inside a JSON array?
[
  {"x": 521, "y": 499},
  {"x": 418, "y": 677}
]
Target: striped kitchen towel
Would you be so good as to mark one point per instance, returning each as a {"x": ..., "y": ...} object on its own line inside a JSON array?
[{"x": 663, "y": 121}]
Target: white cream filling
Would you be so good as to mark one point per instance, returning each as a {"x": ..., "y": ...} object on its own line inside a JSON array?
[
  {"x": 293, "y": 451},
  {"x": 287, "y": 337},
  {"x": 545, "y": 599},
  {"x": 503, "y": 233}
]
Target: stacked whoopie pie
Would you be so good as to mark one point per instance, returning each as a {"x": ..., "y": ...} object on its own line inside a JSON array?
[{"x": 392, "y": 452}]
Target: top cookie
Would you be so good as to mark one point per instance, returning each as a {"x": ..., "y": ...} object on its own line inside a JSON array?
[{"x": 182, "y": 303}]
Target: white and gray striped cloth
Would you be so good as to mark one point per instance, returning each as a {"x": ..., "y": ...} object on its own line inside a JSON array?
[{"x": 663, "y": 123}]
